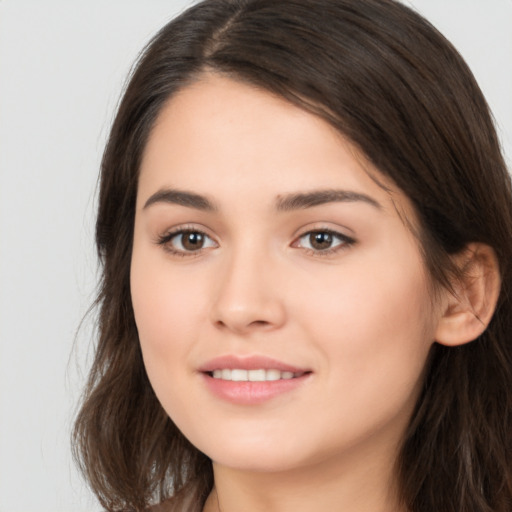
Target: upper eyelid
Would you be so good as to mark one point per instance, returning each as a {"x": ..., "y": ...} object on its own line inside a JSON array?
[
  {"x": 323, "y": 230},
  {"x": 168, "y": 234},
  {"x": 185, "y": 228},
  {"x": 339, "y": 231},
  {"x": 164, "y": 238},
  {"x": 165, "y": 241},
  {"x": 343, "y": 237}
]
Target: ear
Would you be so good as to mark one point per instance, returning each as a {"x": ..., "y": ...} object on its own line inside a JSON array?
[{"x": 468, "y": 309}]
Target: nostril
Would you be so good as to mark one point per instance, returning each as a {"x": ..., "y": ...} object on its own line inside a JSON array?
[
  {"x": 246, "y": 317},
  {"x": 259, "y": 322}
]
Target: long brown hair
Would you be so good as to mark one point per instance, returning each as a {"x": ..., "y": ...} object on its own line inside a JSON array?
[{"x": 386, "y": 79}]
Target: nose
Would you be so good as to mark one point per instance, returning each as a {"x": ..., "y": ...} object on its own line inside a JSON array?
[{"x": 249, "y": 297}]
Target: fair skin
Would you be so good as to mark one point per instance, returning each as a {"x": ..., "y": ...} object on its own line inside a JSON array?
[{"x": 331, "y": 285}]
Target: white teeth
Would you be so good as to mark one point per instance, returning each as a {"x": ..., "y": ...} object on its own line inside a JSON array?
[
  {"x": 260, "y": 375},
  {"x": 273, "y": 374},
  {"x": 239, "y": 375},
  {"x": 257, "y": 375}
]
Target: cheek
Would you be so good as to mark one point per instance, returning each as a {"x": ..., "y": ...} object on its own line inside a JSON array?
[
  {"x": 371, "y": 294},
  {"x": 167, "y": 308},
  {"x": 375, "y": 327}
]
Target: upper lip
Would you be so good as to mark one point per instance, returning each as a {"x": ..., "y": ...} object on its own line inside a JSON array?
[{"x": 253, "y": 362}]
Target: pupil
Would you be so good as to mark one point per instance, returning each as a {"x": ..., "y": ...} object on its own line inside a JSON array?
[
  {"x": 193, "y": 241},
  {"x": 321, "y": 240}
]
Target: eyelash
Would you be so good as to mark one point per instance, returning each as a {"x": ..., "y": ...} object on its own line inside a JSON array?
[
  {"x": 345, "y": 242},
  {"x": 166, "y": 239}
]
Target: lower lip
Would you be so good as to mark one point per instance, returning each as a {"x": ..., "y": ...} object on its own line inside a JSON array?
[{"x": 252, "y": 393}]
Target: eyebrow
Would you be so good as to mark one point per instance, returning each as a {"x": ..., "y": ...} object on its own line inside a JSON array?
[
  {"x": 318, "y": 197},
  {"x": 289, "y": 202},
  {"x": 181, "y": 197}
]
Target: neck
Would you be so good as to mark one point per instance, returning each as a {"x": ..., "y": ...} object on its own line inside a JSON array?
[{"x": 363, "y": 485}]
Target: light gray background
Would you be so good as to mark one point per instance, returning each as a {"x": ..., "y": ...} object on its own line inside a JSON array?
[{"x": 62, "y": 66}]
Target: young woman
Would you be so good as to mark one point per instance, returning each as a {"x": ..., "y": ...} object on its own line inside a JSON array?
[{"x": 305, "y": 228}]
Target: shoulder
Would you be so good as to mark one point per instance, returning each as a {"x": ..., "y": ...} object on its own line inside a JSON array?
[
  {"x": 166, "y": 506},
  {"x": 176, "y": 504}
]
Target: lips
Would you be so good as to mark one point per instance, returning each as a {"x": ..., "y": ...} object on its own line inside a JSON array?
[
  {"x": 259, "y": 375},
  {"x": 231, "y": 362},
  {"x": 251, "y": 380}
]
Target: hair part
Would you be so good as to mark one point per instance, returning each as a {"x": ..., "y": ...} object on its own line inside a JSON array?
[{"x": 395, "y": 87}]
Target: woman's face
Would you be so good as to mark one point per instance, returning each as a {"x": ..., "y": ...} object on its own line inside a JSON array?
[{"x": 281, "y": 302}]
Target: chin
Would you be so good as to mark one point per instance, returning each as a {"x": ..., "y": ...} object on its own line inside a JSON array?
[
  {"x": 259, "y": 452},
  {"x": 259, "y": 461}
]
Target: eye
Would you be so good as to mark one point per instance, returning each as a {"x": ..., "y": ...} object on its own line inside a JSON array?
[
  {"x": 323, "y": 241},
  {"x": 186, "y": 241}
]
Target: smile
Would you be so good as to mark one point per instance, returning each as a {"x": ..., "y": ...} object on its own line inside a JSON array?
[
  {"x": 251, "y": 379},
  {"x": 258, "y": 375}
]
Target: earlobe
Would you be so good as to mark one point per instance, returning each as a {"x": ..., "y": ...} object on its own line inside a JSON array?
[{"x": 468, "y": 309}]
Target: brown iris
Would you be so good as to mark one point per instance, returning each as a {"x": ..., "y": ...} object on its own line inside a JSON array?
[
  {"x": 192, "y": 241},
  {"x": 320, "y": 240}
]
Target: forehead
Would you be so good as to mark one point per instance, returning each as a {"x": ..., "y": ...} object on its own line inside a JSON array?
[{"x": 222, "y": 137}]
